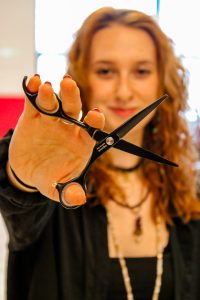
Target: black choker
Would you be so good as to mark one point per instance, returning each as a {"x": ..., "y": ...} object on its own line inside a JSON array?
[{"x": 126, "y": 170}]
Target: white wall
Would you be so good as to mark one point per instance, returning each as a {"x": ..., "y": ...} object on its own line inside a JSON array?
[
  {"x": 17, "y": 58},
  {"x": 17, "y": 49},
  {"x": 3, "y": 259}
]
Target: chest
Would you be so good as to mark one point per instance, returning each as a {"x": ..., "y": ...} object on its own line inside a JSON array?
[
  {"x": 142, "y": 273},
  {"x": 183, "y": 254},
  {"x": 122, "y": 229}
]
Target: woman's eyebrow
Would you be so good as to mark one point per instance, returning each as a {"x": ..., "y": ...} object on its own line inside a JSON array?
[
  {"x": 103, "y": 62},
  {"x": 146, "y": 62}
]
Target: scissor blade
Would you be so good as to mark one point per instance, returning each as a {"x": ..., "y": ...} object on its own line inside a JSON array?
[
  {"x": 133, "y": 121},
  {"x": 133, "y": 149}
]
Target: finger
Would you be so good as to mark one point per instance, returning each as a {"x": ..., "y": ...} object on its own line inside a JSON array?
[
  {"x": 73, "y": 194},
  {"x": 32, "y": 86},
  {"x": 70, "y": 96},
  {"x": 34, "y": 83},
  {"x": 46, "y": 98},
  {"x": 95, "y": 118}
]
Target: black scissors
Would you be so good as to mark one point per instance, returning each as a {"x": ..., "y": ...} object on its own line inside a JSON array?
[{"x": 104, "y": 140}]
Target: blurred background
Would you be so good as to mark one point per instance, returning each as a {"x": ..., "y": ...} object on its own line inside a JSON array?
[{"x": 35, "y": 36}]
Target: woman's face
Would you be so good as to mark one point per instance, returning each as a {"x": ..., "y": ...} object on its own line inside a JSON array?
[{"x": 122, "y": 74}]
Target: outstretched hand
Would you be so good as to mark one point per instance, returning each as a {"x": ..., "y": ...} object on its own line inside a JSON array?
[{"x": 44, "y": 150}]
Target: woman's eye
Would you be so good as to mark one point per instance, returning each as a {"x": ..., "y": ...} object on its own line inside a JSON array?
[
  {"x": 143, "y": 71},
  {"x": 104, "y": 72}
]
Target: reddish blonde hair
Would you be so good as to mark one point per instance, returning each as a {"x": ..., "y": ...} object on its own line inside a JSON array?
[{"x": 174, "y": 189}]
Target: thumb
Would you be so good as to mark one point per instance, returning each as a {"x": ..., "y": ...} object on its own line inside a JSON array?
[{"x": 73, "y": 195}]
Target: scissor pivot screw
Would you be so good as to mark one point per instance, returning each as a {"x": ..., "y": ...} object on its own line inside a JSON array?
[{"x": 109, "y": 141}]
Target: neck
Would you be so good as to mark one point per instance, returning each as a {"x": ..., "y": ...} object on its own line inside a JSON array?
[{"x": 123, "y": 159}]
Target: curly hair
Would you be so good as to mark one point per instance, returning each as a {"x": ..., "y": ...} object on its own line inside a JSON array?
[{"x": 174, "y": 189}]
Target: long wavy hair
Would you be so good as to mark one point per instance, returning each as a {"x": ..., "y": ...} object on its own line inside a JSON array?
[{"x": 174, "y": 189}]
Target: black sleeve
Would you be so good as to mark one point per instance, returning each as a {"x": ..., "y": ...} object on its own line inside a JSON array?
[{"x": 25, "y": 214}]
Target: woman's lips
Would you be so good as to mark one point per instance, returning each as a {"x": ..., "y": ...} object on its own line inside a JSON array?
[{"x": 123, "y": 112}]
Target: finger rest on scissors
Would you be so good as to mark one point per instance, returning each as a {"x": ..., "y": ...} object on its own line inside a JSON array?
[
  {"x": 32, "y": 97},
  {"x": 71, "y": 192},
  {"x": 58, "y": 112}
]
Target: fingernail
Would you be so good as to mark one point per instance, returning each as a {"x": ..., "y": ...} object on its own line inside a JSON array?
[
  {"x": 49, "y": 83},
  {"x": 96, "y": 109},
  {"x": 67, "y": 76},
  {"x": 37, "y": 75}
]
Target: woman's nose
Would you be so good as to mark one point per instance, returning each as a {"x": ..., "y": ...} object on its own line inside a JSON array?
[{"x": 124, "y": 89}]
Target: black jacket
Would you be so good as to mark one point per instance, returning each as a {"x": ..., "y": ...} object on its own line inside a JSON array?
[{"x": 59, "y": 254}]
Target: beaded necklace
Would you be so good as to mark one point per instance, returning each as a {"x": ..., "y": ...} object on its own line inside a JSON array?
[{"x": 122, "y": 261}]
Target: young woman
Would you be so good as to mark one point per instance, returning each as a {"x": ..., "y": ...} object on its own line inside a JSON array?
[{"x": 136, "y": 232}]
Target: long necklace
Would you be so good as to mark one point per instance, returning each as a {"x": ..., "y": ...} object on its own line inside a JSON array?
[
  {"x": 135, "y": 209},
  {"x": 122, "y": 261}
]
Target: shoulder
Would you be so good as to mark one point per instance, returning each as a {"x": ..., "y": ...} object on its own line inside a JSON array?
[
  {"x": 198, "y": 183},
  {"x": 4, "y": 145},
  {"x": 192, "y": 224},
  {"x": 187, "y": 232}
]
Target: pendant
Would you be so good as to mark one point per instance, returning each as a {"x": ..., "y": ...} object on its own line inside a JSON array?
[{"x": 138, "y": 229}]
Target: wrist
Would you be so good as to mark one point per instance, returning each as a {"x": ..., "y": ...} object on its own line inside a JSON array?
[{"x": 17, "y": 182}]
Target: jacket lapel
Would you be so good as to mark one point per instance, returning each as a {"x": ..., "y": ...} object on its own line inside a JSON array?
[
  {"x": 96, "y": 283},
  {"x": 182, "y": 241}
]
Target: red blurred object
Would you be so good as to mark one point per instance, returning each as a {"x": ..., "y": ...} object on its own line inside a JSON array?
[{"x": 10, "y": 111}]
